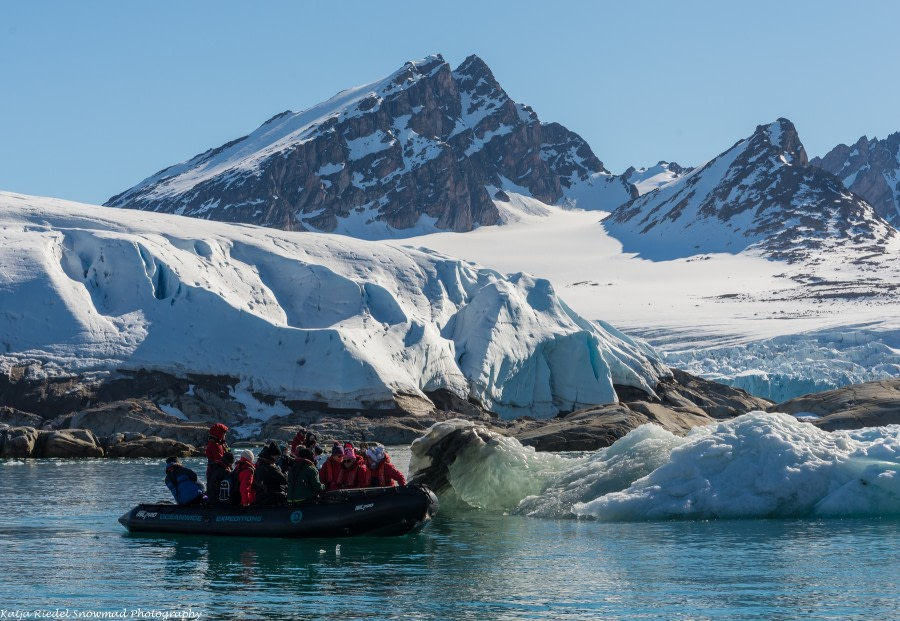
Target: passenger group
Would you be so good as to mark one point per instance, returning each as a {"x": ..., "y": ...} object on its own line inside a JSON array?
[{"x": 279, "y": 476}]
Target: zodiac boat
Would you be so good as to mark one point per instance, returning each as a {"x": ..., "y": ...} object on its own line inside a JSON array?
[{"x": 376, "y": 512}]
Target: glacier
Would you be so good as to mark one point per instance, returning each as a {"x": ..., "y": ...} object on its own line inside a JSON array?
[
  {"x": 788, "y": 366},
  {"x": 297, "y": 316}
]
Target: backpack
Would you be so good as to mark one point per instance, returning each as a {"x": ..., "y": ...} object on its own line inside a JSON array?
[{"x": 229, "y": 489}]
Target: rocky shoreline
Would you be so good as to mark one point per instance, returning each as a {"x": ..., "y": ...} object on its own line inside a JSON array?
[{"x": 155, "y": 414}]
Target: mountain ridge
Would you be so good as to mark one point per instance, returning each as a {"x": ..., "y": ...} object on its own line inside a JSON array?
[
  {"x": 760, "y": 193},
  {"x": 412, "y": 152},
  {"x": 871, "y": 169}
]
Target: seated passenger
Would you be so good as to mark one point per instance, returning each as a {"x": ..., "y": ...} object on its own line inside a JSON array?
[
  {"x": 352, "y": 474},
  {"x": 269, "y": 481},
  {"x": 382, "y": 473},
  {"x": 328, "y": 472},
  {"x": 245, "y": 471},
  {"x": 221, "y": 481},
  {"x": 182, "y": 482},
  {"x": 303, "y": 478}
]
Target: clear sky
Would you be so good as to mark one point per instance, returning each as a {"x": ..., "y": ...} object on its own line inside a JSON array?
[{"x": 97, "y": 95}]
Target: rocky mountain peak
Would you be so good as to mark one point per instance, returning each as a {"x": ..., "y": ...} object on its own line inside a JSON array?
[
  {"x": 782, "y": 138},
  {"x": 424, "y": 149},
  {"x": 761, "y": 192},
  {"x": 474, "y": 68},
  {"x": 871, "y": 169},
  {"x": 412, "y": 70}
]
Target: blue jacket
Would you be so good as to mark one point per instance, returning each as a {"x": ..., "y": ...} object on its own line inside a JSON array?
[{"x": 182, "y": 482}]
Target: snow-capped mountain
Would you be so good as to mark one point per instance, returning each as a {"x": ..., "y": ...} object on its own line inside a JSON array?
[
  {"x": 871, "y": 169},
  {"x": 427, "y": 148},
  {"x": 652, "y": 178},
  {"x": 762, "y": 193},
  {"x": 338, "y": 321}
]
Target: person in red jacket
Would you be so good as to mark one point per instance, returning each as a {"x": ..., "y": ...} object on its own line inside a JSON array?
[
  {"x": 353, "y": 473},
  {"x": 245, "y": 471},
  {"x": 382, "y": 473},
  {"x": 329, "y": 471},
  {"x": 215, "y": 448},
  {"x": 298, "y": 441}
]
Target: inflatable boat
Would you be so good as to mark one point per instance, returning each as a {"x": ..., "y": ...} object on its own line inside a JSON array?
[{"x": 376, "y": 512}]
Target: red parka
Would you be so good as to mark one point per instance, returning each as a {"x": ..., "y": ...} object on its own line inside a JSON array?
[
  {"x": 299, "y": 440},
  {"x": 328, "y": 474},
  {"x": 215, "y": 447},
  {"x": 385, "y": 474},
  {"x": 245, "y": 472}
]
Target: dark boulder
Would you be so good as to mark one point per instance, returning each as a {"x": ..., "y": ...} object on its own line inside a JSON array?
[
  {"x": 872, "y": 404},
  {"x": 18, "y": 442},
  {"x": 68, "y": 443}
]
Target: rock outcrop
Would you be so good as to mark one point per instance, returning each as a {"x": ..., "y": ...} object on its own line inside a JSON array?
[
  {"x": 136, "y": 427},
  {"x": 684, "y": 402},
  {"x": 419, "y": 150},
  {"x": 18, "y": 442},
  {"x": 28, "y": 442},
  {"x": 68, "y": 443},
  {"x": 872, "y": 404}
]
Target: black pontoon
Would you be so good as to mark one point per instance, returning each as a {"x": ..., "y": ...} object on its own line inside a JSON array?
[{"x": 379, "y": 511}]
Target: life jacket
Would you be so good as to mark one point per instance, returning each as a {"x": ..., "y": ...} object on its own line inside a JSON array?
[
  {"x": 328, "y": 474},
  {"x": 385, "y": 474},
  {"x": 352, "y": 478}
]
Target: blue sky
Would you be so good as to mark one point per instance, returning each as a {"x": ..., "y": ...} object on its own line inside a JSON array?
[{"x": 95, "y": 96}]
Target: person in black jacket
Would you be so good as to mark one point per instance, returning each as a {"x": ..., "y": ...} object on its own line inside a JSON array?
[
  {"x": 269, "y": 482},
  {"x": 221, "y": 481}
]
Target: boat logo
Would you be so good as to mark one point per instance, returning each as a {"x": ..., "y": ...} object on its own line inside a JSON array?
[
  {"x": 364, "y": 507},
  {"x": 145, "y": 514},
  {"x": 296, "y": 516}
]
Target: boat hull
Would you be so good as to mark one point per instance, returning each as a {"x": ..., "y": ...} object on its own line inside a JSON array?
[{"x": 383, "y": 511}]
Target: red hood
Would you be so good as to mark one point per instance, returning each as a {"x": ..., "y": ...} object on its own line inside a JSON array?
[{"x": 218, "y": 431}]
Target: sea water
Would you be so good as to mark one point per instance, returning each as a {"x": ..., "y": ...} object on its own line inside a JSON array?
[{"x": 64, "y": 555}]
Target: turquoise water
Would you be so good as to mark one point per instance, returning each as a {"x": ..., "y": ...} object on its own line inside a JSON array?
[{"x": 64, "y": 553}]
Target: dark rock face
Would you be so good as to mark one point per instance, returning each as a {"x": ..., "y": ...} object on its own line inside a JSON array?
[
  {"x": 759, "y": 193},
  {"x": 873, "y": 404},
  {"x": 17, "y": 418},
  {"x": 685, "y": 402},
  {"x": 420, "y": 147},
  {"x": 122, "y": 416},
  {"x": 871, "y": 169}
]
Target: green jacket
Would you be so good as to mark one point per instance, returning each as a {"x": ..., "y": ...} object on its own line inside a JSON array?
[{"x": 303, "y": 481}]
